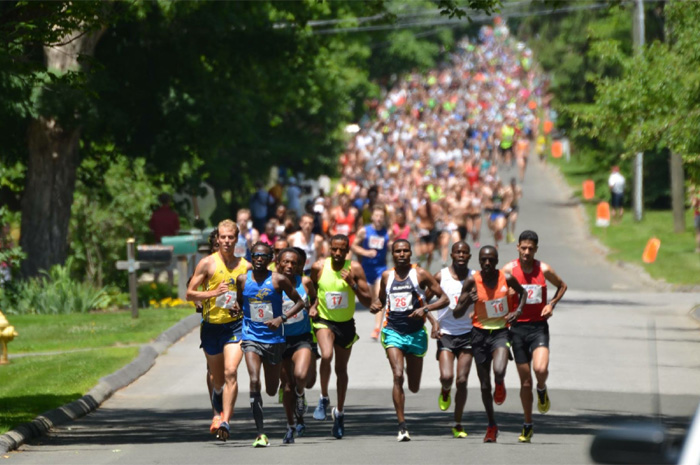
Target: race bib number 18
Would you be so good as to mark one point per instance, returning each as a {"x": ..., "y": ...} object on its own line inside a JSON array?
[
  {"x": 496, "y": 308},
  {"x": 534, "y": 293},
  {"x": 336, "y": 300}
]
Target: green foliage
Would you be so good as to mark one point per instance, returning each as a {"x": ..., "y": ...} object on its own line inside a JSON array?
[
  {"x": 55, "y": 292},
  {"x": 113, "y": 202},
  {"x": 155, "y": 292}
]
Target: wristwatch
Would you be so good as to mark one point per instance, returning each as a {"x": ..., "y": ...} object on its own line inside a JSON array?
[{"x": 284, "y": 318}]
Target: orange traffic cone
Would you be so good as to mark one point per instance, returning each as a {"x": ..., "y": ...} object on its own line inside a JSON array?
[
  {"x": 650, "y": 251},
  {"x": 602, "y": 215},
  {"x": 588, "y": 189}
]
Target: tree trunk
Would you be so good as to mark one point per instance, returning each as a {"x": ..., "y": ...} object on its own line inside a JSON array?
[
  {"x": 51, "y": 169},
  {"x": 677, "y": 192}
]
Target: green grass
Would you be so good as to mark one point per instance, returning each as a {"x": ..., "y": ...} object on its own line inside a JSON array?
[
  {"x": 42, "y": 333},
  {"x": 676, "y": 262},
  {"x": 34, "y": 384}
]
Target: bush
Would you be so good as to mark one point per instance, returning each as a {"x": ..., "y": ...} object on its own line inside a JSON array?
[{"x": 55, "y": 292}]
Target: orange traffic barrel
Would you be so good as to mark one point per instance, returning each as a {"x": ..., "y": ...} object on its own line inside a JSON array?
[
  {"x": 588, "y": 189},
  {"x": 557, "y": 149},
  {"x": 547, "y": 126},
  {"x": 650, "y": 251},
  {"x": 602, "y": 215}
]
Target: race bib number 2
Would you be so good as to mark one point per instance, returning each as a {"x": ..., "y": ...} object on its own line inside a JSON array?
[
  {"x": 534, "y": 293},
  {"x": 336, "y": 300},
  {"x": 496, "y": 308}
]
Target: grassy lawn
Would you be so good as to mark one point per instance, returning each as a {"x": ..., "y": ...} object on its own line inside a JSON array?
[
  {"x": 676, "y": 263},
  {"x": 34, "y": 384}
]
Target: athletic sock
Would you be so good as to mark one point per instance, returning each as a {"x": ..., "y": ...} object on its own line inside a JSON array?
[
  {"x": 402, "y": 426},
  {"x": 256, "y": 405},
  {"x": 339, "y": 413},
  {"x": 541, "y": 393}
]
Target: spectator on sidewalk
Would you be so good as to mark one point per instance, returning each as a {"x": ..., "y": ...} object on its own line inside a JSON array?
[
  {"x": 259, "y": 203},
  {"x": 616, "y": 183},
  {"x": 164, "y": 222}
]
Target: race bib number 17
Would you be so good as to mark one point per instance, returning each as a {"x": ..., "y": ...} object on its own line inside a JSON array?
[{"x": 336, "y": 300}]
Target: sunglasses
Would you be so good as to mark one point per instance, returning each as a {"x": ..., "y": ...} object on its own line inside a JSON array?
[{"x": 260, "y": 254}]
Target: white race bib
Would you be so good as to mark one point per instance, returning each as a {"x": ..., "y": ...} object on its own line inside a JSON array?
[
  {"x": 497, "y": 308},
  {"x": 226, "y": 300},
  {"x": 401, "y": 301},
  {"x": 286, "y": 306},
  {"x": 261, "y": 312},
  {"x": 336, "y": 300},
  {"x": 376, "y": 242},
  {"x": 534, "y": 293},
  {"x": 342, "y": 229}
]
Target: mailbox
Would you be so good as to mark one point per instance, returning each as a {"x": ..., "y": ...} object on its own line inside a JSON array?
[{"x": 182, "y": 245}]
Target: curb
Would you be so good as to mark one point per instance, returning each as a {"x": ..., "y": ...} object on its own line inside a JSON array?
[{"x": 104, "y": 389}]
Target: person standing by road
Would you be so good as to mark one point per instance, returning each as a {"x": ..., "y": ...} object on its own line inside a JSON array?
[
  {"x": 490, "y": 317},
  {"x": 220, "y": 332},
  {"x": 260, "y": 301},
  {"x": 164, "y": 222},
  {"x": 530, "y": 332},
  {"x": 616, "y": 184},
  {"x": 338, "y": 281},
  {"x": 404, "y": 338}
]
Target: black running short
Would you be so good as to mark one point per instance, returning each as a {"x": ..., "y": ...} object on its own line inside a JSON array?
[
  {"x": 462, "y": 230},
  {"x": 454, "y": 343},
  {"x": 526, "y": 337},
  {"x": 301, "y": 341},
  {"x": 344, "y": 331},
  {"x": 486, "y": 341},
  {"x": 271, "y": 353}
]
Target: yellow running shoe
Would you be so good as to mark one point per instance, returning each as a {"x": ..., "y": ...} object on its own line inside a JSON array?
[
  {"x": 458, "y": 432},
  {"x": 526, "y": 435},
  {"x": 261, "y": 441},
  {"x": 444, "y": 402},
  {"x": 543, "y": 402}
]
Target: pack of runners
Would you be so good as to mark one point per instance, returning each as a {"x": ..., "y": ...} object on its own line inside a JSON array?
[{"x": 422, "y": 175}]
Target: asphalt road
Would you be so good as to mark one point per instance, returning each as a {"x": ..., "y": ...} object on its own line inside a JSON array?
[{"x": 606, "y": 334}]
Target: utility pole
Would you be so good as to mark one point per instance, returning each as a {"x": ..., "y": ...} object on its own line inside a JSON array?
[{"x": 638, "y": 36}]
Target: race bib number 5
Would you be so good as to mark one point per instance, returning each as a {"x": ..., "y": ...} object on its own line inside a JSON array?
[
  {"x": 336, "y": 300},
  {"x": 534, "y": 293},
  {"x": 496, "y": 308},
  {"x": 260, "y": 312},
  {"x": 226, "y": 300},
  {"x": 401, "y": 301}
]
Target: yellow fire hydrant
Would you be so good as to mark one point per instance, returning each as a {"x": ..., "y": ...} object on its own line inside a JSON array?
[{"x": 7, "y": 333}]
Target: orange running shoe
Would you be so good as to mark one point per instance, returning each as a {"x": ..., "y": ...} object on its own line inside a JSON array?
[
  {"x": 375, "y": 333},
  {"x": 491, "y": 434},
  {"x": 215, "y": 423},
  {"x": 499, "y": 394}
]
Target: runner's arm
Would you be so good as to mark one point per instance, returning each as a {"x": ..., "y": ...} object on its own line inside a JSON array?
[
  {"x": 380, "y": 301},
  {"x": 428, "y": 293},
  {"x": 358, "y": 283},
  {"x": 515, "y": 285},
  {"x": 357, "y": 248},
  {"x": 427, "y": 281},
  {"x": 201, "y": 275},
  {"x": 553, "y": 278},
  {"x": 465, "y": 298},
  {"x": 310, "y": 291}
]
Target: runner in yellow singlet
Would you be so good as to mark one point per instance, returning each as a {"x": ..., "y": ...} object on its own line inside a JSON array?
[
  {"x": 338, "y": 281},
  {"x": 220, "y": 332}
]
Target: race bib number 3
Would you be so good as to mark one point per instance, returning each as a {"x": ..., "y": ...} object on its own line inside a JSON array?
[
  {"x": 260, "y": 312},
  {"x": 401, "y": 302},
  {"x": 496, "y": 308},
  {"x": 226, "y": 300},
  {"x": 534, "y": 293},
  {"x": 336, "y": 300}
]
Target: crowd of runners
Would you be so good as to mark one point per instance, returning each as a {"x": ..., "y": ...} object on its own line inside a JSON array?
[{"x": 420, "y": 177}]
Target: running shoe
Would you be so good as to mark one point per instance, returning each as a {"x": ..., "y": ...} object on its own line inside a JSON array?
[
  {"x": 403, "y": 436},
  {"x": 458, "y": 432},
  {"x": 261, "y": 441},
  {"x": 215, "y": 423},
  {"x": 510, "y": 237},
  {"x": 320, "y": 412},
  {"x": 491, "y": 434},
  {"x": 223, "y": 432},
  {"x": 300, "y": 408},
  {"x": 499, "y": 394},
  {"x": 301, "y": 429},
  {"x": 444, "y": 402},
  {"x": 338, "y": 424},
  {"x": 375, "y": 334},
  {"x": 217, "y": 401},
  {"x": 526, "y": 435},
  {"x": 543, "y": 402},
  {"x": 289, "y": 436}
]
